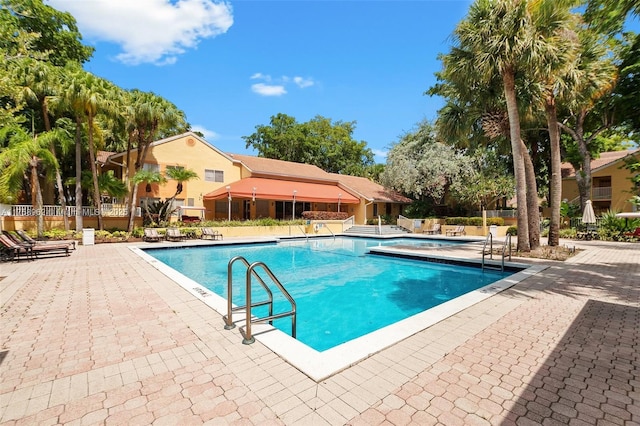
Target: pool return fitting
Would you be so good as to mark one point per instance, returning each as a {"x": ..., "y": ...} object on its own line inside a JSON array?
[{"x": 249, "y": 319}]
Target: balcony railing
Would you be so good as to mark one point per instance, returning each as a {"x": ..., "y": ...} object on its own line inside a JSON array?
[
  {"x": 601, "y": 193},
  {"x": 113, "y": 210}
]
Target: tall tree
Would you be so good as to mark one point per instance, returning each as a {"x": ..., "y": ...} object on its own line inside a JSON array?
[
  {"x": 40, "y": 81},
  {"x": 57, "y": 32},
  {"x": 321, "y": 142},
  {"x": 26, "y": 153},
  {"x": 556, "y": 44},
  {"x": 423, "y": 168},
  {"x": 146, "y": 115},
  {"x": 494, "y": 39}
]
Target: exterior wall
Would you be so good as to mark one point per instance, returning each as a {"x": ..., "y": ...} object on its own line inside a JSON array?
[
  {"x": 193, "y": 154},
  {"x": 620, "y": 188},
  {"x": 28, "y": 223}
]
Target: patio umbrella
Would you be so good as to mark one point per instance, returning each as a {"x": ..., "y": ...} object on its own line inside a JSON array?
[{"x": 588, "y": 216}]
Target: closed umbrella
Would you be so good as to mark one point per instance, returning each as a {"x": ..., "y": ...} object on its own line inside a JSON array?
[{"x": 588, "y": 216}]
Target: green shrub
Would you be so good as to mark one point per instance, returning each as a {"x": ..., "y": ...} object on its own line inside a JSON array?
[
  {"x": 568, "y": 233},
  {"x": 473, "y": 221},
  {"x": 512, "y": 230},
  {"x": 137, "y": 232},
  {"x": 58, "y": 234}
]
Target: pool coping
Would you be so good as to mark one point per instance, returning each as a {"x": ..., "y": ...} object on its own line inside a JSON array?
[{"x": 321, "y": 365}]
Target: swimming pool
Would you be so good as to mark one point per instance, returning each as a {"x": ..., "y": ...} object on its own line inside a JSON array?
[
  {"x": 341, "y": 292},
  {"x": 320, "y": 365}
]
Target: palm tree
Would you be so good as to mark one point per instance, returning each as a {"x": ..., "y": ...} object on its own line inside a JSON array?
[
  {"x": 595, "y": 78},
  {"x": 146, "y": 115},
  {"x": 148, "y": 178},
  {"x": 181, "y": 175},
  {"x": 41, "y": 81},
  {"x": 494, "y": 39},
  {"x": 25, "y": 154},
  {"x": 556, "y": 47}
]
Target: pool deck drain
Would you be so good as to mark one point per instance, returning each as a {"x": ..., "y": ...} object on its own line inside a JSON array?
[{"x": 103, "y": 337}]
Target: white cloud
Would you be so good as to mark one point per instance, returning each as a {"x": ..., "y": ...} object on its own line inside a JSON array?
[
  {"x": 303, "y": 82},
  {"x": 268, "y": 89},
  {"x": 380, "y": 153},
  {"x": 209, "y": 135},
  {"x": 278, "y": 88},
  {"x": 150, "y": 31}
]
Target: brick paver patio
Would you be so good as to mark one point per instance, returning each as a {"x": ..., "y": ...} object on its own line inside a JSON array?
[{"x": 101, "y": 337}]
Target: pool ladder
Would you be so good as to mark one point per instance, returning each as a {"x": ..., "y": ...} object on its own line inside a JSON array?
[
  {"x": 489, "y": 240},
  {"x": 249, "y": 319}
]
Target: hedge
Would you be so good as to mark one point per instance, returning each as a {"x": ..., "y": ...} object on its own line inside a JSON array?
[
  {"x": 473, "y": 221},
  {"x": 312, "y": 215}
]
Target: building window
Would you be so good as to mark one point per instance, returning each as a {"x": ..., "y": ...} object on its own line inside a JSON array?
[
  {"x": 150, "y": 167},
  {"x": 375, "y": 210},
  {"x": 213, "y": 175},
  {"x": 175, "y": 167}
]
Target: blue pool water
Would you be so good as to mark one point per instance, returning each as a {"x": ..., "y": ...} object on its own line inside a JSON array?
[{"x": 341, "y": 291}]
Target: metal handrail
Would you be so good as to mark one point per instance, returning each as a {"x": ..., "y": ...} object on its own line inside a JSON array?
[
  {"x": 489, "y": 239},
  {"x": 304, "y": 232},
  {"x": 507, "y": 240},
  {"x": 228, "y": 319},
  {"x": 248, "y": 338}
]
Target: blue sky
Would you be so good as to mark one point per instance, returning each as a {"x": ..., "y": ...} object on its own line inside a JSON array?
[{"x": 231, "y": 66}]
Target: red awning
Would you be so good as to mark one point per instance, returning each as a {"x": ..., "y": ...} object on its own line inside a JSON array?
[{"x": 282, "y": 190}]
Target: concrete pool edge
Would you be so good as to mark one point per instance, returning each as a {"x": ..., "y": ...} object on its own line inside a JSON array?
[{"x": 321, "y": 365}]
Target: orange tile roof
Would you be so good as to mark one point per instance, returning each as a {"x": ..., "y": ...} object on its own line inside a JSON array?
[
  {"x": 370, "y": 189},
  {"x": 102, "y": 156},
  {"x": 604, "y": 159},
  {"x": 277, "y": 189},
  {"x": 269, "y": 166}
]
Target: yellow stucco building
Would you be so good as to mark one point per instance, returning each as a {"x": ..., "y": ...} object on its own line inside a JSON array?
[
  {"x": 610, "y": 184},
  {"x": 232, "y": 186}
]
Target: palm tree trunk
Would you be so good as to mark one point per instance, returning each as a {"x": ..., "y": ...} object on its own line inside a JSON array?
[
  {"x": 533, "y": 212},
  {"x": 78, "y": 176},
  {"x": 62, "y": 199},
  {"x": 508, "y": 80},
  {"x": 39, "y": 204},
  {"x": 556, "y": 178},
  {"x": 94, "y": 171},
  {"x": 132, "y": 207}
]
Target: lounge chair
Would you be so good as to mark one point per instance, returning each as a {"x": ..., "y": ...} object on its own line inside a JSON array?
[
  {"x": 435, "y": 229},
  {"x": 458, "y": 230},
  {"x": 211, "y": 234},
  {"x": 14, "y": 250},
  {"x": 27, "y": 239},
  {"x": 29, "y": 250},
  {"x": 174, "y": 234},
  {"x": 151, "y": 235}
]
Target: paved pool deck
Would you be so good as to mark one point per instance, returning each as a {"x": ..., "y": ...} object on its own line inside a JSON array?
[{"x": 102, "y": 337}]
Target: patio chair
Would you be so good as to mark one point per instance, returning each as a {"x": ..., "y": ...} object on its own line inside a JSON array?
[
  {"x": 174, "y": 234},
  {"x": 211, "y": 234},
  {"x": 151, "y": 235},
  {"x": 27, "y": 239},
  {"x": 458, "y": 230},
  {"x": 14, "y": 250},
  {"x": 435, "y": 229}
]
